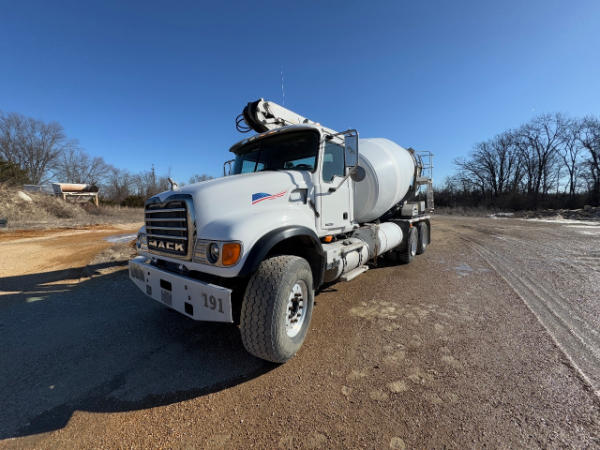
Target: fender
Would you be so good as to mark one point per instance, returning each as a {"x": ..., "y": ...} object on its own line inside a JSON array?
[{"x": 266, "y": 243}]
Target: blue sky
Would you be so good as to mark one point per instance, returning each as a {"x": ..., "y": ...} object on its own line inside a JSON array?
[{"x": 161, "y": 82}]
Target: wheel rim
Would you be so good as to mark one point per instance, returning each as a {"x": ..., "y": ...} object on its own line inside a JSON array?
[
  {"x": 295, "y": 312},
  {"x": 413, "y": 247},
  {"x": 425, "y": 234}
]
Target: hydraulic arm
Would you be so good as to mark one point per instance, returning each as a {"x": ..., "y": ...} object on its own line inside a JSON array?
[{"x": 263, "y": 115}]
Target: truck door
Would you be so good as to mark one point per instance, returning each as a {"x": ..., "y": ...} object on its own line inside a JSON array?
[{"x": 335, "y": 208}]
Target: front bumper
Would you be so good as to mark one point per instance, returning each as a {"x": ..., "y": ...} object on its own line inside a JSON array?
[{"x": 193, "y": 298}]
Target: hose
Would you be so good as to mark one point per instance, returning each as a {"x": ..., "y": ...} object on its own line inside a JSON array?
[
  {"x": 241, "y": 125},
  {"x": 247, "y": 120}
]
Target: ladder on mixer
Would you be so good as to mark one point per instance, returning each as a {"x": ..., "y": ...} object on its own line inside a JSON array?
[{"x": 425, "y": 178}]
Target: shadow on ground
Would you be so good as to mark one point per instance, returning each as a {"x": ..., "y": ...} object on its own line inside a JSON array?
[{"x": 102, "y": 346}]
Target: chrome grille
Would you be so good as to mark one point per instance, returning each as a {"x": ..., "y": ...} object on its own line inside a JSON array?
[
  {"x": 167, "y": 227},
  {"x": 200, "y": 251}
]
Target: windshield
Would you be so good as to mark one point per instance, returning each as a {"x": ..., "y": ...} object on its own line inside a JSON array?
[{"x": 287, "y": 151}]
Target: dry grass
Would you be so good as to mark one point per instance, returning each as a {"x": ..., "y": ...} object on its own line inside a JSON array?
[
  {"x": 46, "y": 211},
  {"x": 469, "y": 211}
]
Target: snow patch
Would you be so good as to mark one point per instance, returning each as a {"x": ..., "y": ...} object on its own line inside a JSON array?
[
  {"x": 502, "y": 214},
  {"x": 562, "y": 221},
  {"x": 593, "y": 227},
  {"x": 120, "y": 238}
]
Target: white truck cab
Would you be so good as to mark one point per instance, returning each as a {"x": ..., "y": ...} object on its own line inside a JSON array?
[{"x": 254, "y": 246}]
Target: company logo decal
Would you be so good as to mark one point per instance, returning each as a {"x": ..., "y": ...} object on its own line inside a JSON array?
[
  {"x": 165, "y": 245},
  {"x": 260, "y": 196}
]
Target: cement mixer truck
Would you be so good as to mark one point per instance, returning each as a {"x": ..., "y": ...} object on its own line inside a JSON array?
[{"x": 299, "y": 206}]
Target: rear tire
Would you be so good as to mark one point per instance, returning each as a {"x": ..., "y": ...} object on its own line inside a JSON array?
[
  {"x": 406, "y": 255},
  {"x": 277, "y": 308},
  {"x": 423, "y": 228}
]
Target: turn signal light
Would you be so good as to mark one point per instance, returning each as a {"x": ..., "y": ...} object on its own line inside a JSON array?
[
  {"x": 328, "y": 238},
  {"x": 230, "y": 253}
]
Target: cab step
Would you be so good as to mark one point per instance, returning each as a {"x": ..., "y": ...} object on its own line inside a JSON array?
[{"x": 354, "y": 273}]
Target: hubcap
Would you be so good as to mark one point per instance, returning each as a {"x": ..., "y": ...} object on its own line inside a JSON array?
[{"x": 296, "y": 305}]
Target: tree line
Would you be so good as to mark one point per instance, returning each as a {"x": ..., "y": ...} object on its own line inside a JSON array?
[
  {"x": 552, "y": 161},
  {"x": 36, "y": 152}
]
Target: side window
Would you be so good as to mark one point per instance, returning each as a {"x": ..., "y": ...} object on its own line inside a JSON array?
[{"x": 333, "y": 161}]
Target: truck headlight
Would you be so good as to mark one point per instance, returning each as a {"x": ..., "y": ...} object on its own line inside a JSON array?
[
  {"x": 217, "y": 253},
  {"x": 213, "y": 252}
]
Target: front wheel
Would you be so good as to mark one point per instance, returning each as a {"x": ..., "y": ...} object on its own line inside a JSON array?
[{"x": 277, "y": 308}]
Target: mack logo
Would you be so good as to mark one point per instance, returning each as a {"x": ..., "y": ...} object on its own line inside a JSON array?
[{"x": 176, "y": 247}]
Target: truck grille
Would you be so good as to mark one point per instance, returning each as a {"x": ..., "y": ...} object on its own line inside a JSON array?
[{"x": 167, "y": 228}]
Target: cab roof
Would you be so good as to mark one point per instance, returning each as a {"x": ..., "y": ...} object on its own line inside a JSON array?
[{"x": 281, "y": 130}]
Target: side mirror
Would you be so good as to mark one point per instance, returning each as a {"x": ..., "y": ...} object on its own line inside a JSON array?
[
  {"x": 227, "y": 166},
  {"x": 351, "y": 149},
  {"x": 357, "y": 173},
  {"x": 352, "y": 168}
]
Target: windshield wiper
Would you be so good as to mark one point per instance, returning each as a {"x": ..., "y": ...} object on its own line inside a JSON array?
[{"x": 257, "y": 157}]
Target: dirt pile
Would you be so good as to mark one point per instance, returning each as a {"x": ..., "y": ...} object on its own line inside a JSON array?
[{"x": 36, "y": 210}]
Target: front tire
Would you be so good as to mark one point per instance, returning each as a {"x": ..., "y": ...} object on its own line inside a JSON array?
[{"x": 277, "y": 308}]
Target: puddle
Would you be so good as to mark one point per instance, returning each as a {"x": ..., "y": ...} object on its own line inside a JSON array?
[{"x": 463, "y": 269}]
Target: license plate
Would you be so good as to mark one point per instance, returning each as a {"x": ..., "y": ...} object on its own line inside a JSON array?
[{"x": 166, "y": 297}]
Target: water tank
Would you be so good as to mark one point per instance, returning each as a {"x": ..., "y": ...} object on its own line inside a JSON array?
[{"x": 390, "y": 172}]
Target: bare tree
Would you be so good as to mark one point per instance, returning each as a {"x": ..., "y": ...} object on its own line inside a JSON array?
[
  {"x": 118, "y": 185},
  {"x": 501, "y": 162},
  {"x": 538, "y": 142},
  {"x": 12, "y": 174},
  {"x": 76, "y": 166},
  {"x": 143, "y": 184},
  {"x": 33, "y": 145},
  {"x": 471, "y": 175},
  {"x": 492, "y": 166},
  {"x": 570, "y": 151},
  {"x": 589, "y": 137},
  {"x": 146, "y": 184},
  {"x": 536, "y": 164}
]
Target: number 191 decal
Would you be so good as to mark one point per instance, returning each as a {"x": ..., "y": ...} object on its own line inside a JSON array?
[{"x": 211, "y": 302}]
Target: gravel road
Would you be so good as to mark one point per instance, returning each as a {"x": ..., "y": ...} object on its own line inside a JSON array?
[{"x": 488, "y": 339}]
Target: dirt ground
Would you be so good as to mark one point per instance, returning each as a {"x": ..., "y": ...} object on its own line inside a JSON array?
[
  {"x": 489, "y": 339},
  {"x": 40, "y": 251}
]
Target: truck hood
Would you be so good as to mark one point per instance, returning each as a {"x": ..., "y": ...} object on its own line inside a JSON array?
[{"x": 245, "y": 207}]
